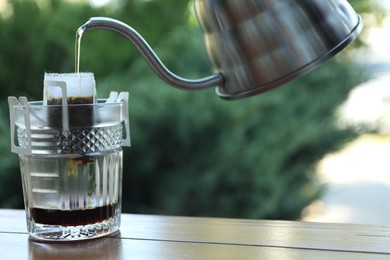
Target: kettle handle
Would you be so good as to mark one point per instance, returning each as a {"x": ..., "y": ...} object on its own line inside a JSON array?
[{"x": 149, "y": 55}]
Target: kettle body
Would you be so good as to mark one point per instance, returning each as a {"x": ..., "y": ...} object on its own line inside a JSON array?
[{"x": 260, "y": 44}]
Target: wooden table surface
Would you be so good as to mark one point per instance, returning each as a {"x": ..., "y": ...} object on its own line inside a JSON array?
[{"x": 164, "y": 237}]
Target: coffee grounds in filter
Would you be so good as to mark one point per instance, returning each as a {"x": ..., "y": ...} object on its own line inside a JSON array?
[{"x": 77, "y": 89}]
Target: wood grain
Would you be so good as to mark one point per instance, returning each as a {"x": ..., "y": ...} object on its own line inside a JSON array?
[{"x": 164, "y": 237}]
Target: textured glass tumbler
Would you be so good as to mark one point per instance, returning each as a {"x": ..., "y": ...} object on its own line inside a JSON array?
[
  {"x": 71, "y": 166},
  {"x": 72, "y": 197}
]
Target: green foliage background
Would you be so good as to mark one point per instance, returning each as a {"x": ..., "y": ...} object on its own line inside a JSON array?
[{"x": 192, "y": 153}]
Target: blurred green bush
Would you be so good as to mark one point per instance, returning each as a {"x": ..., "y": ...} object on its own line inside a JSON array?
[{"x": 193, "y": 153}]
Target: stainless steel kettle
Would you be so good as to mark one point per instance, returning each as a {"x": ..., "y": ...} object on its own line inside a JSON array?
[{"x": 256, "y": 45}]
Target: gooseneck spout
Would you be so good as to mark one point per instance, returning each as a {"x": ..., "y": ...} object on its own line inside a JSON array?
[{"x": 149, "y": 55}]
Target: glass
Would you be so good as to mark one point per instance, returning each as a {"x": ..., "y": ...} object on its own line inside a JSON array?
[
  {"x": 72, "y": 197},
  {"x": 71, "y": 165}
]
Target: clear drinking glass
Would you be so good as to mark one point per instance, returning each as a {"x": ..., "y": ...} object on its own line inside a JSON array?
[
  {"x": 71, "y": 169},
  {"x": 72, "y": 197}
]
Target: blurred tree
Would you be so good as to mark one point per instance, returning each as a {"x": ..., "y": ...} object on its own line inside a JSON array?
[
  {"x": 192, "y": 154},
  {"x": 39, "y": 36}
]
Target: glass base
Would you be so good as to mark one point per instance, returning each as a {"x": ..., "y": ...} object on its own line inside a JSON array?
[{"x": 54, "y": 233}]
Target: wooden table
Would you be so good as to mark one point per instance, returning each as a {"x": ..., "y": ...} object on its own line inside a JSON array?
[{"x": 163, "y": 237}]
